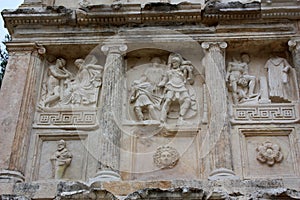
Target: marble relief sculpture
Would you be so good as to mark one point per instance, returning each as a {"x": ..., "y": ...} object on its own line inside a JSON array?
[
  {"x": 174, "y": 83},
  {"x": 281, "y": 80},
  {"x": 60, "y": 160},
  {"x": 269, "y": 153},
  {"x": 143, "y": 97},
  {"x": 164, "y": 91},
  {"x": 241, "y": 84},
  {"x": 63, "y": 88},
  {"x": 55, "y": 83},
  {"x": 166, "y": 157}
]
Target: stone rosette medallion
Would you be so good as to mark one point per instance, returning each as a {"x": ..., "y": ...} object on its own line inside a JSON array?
[{"x": 269, "y": 153}]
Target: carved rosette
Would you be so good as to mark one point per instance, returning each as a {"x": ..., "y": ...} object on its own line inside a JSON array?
[
  {"x": 269, "y": 153},
  {"x": 166, "y": 157}
]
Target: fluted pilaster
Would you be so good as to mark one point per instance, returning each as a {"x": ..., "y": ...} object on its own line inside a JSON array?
[
  {"x": 215, "y": 70},
  {"x": 18, "y": 100},
  {"x": 110, "y": 112}
]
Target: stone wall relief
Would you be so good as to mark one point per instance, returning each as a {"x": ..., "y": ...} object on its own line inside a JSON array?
[
  {"x": 277, "y": 84},
  {"x": 268, "y": 94},
  {"x": 164, "y": 93},
  {"x": 63, "y": 89},
  {"x": 60, "y": 160},
  {"x": 69, "y": 94}
]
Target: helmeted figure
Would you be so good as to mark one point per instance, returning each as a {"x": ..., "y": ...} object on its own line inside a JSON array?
[{"x": 174, "y": 82}]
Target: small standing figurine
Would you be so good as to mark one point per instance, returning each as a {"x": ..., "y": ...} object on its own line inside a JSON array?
[{"x": 60, "y": 160}]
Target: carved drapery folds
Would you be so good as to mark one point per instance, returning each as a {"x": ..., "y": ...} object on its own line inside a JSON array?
[
  {"x": 282, "y": 80},
  {"x": 111, "y": 106}
]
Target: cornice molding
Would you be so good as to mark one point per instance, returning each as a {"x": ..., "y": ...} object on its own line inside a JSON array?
[{"x": 151, "y": 14}]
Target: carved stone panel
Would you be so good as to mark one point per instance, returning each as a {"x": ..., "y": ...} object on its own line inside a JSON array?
[
  {"x": 164, "y": 90},
  {"x": 62, "y": 88},
  {"x": 51, "y": 163},
  {"x": 268, "y": 153},
  {"x": 262, "y": 86},
  {"x": 156, "y": 157}
]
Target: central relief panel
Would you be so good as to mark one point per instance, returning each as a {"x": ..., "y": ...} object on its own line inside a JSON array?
[{"x": 163, "y": 114}]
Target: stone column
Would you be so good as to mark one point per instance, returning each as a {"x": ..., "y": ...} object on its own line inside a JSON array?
[
  {"x": 215, "y": 73},
  {"x": 17, "y": 105},
  {"x": 111, "y": 113},
  {"x": 295, "y": 50}
]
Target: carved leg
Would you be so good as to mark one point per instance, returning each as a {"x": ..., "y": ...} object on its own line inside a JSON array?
[
  {"x": 51, "y": 99},
  {"x": 184, "y": 107},
  {"x": 235, "y": 98},
  {"x": 152, "y": 112},
  {"x": 164, "y": 110},
  {"x": 139, "y": 113},
  {"x": 251, "y": 85}
]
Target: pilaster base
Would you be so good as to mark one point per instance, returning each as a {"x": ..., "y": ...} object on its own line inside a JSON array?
[
  {"x": 221, "y": 174},
  {"x": 7, "y": 176},
  {"x": 105, "y": 176}
]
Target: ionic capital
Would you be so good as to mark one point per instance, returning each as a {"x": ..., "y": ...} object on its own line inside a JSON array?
[
  {"x": 113, "y": 48},
  {"x": 294, "y": 45},
  {"x": 214, "y": 45}
]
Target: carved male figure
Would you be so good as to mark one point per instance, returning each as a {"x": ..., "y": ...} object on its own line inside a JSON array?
[
  {"x": 143, "y": 97},
  {"x": 240, "y": 82},
  {"x": 56, "y": 74},
  {"x": 60, "y": 160},
  {"x": 174, "y": 82}
]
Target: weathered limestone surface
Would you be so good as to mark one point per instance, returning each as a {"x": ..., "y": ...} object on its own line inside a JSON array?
[{"x": 151, "y": 100}]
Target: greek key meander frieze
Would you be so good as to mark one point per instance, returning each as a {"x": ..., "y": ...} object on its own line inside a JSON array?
[
  {"x": 67, "y": 119},
  {"x": 265, "y": 114}
]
